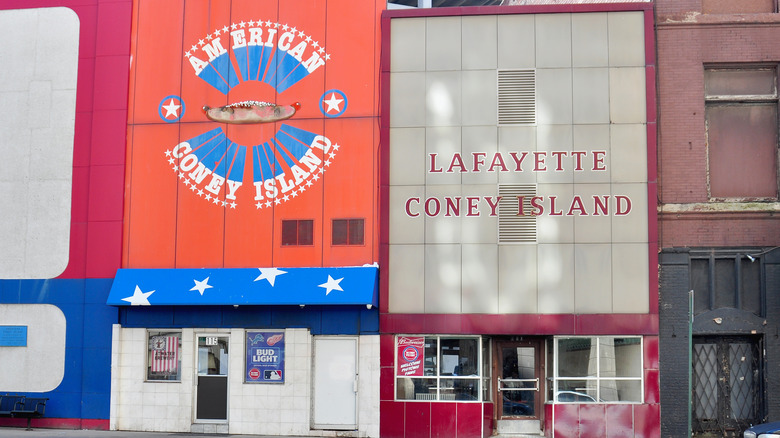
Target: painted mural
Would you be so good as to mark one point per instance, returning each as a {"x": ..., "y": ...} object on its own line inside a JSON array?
[{"x": 255, "y": 113}]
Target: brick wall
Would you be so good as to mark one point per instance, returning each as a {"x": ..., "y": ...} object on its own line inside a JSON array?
[{"x": 684, "y": 48}]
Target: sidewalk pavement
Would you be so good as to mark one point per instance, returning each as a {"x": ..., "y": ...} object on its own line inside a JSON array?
[{"x": 17, "y": 432}]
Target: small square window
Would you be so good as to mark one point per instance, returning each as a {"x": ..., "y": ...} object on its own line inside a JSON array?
[
  {"x": 163, "y": 359},
  {"x": 348, "y": 232},
  {"x": 297, "y": 232}
]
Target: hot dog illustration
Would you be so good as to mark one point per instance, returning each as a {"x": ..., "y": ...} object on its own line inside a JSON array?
[{"x": 251, "y": 111}]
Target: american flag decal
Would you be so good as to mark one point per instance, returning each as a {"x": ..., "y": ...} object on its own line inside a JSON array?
[{"x": 165, "y": 354}]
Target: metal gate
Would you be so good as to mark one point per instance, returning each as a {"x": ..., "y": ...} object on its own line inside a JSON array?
[{"x": 727, "y": 385}]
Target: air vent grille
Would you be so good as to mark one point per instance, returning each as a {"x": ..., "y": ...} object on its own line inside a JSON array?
[
  {"x": 511, "y": 227},
  {"x": 517, "y": 97}
]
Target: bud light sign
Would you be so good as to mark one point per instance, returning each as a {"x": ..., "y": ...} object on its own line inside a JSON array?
[
  {"x": 410, "y": 355},
  {"x": 264, "y": 357}
]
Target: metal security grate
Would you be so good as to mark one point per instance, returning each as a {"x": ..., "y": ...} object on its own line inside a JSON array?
[
  {"x": 741, "y": 380},
  {"x": 705, "y": 372},
  {"x": 517, "y": 97},
  {"x": 513, "y": 228},
  {"x": 726, "y": 385}
]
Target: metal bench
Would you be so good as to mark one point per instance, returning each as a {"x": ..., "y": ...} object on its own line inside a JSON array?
[
  {"x": 8, "y": 403},
  {"x": 29, "y": 408}
]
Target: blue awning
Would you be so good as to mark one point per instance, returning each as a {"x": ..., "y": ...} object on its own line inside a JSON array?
[{"x": 245, "y": 286}]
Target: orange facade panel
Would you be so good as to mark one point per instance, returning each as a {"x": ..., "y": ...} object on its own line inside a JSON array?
[{"x": 203, "y": 193}]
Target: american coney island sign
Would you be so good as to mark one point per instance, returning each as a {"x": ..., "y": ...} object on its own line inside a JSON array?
[{"x": 245, "y": 112}]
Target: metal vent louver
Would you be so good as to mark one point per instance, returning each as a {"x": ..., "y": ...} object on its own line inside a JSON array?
[
  {"x": 517, "y": 97},
  {"x": 511, "y": 227}
]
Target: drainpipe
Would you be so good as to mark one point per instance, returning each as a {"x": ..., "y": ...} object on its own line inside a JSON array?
[{"x": 690, "y": 359}]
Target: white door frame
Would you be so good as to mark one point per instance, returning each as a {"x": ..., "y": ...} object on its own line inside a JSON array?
[
  {"x": 199, "y": 334},
  {"x": 318, "y": 375}
]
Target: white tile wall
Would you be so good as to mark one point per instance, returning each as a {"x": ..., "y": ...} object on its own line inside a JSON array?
[
  {"x": 629, "y": 31},
  {"x": 554, "y": 96},
  {"x": 442, "y": 278},
  {"x": 406, "y": 272},
  {"x": 590, "y": 88},
  {"x": 553, "y": 40},
  {"x": 517, "y": 279},
  {"x": 516, "y": 41},
  {"x": 589, "y": 39},
  {"x": 407, "y": 156},
  {"x": 408, "y": 54},
  {"x": 592, "y": 278},
  {"x": 479, "y": 31},
  {"x": 590, "y": 96},
  {"x": 442, "y": 44},
  {"x": 259, "y": 409},
  {"x": 478, "y": 279},
  {"x": 443, "y": 98}
]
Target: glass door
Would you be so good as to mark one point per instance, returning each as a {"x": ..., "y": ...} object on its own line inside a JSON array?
[
  {"x": 212, "y": 381},
  {"x": 518, "y": 379}
]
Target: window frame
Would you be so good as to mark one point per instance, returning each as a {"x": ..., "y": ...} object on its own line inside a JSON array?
[
  {"x": 478, "y": 378},
  {"x": 298, "y": 224},
  {"x": 555, "y": 378},
  {"x": 150, "y": 334},
  {"x": 349, "y": 236},
  {"x": 742, "y": 100},
  {"x": 737, "y": 257}
]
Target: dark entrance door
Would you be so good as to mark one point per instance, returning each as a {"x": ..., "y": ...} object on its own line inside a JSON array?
[
  {"x": 727, "y": 382},
  {"x": 211, "y": 401},
  {"x": 518, "y": 367}
]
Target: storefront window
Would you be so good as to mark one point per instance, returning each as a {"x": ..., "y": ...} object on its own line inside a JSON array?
[
  {"x": 597, "y": 370},
  {"x": 163, "y": 361},
  {"x": 438, "y": 368}
]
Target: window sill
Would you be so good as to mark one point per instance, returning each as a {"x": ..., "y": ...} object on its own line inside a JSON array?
[{"x": 721, "y": 207}]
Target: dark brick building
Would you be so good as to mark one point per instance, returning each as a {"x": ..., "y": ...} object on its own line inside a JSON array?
[{"x": 718, "y": 206}]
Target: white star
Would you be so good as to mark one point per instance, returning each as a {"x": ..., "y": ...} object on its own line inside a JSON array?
[
  {"x": 172, "y": 109},
  {"x": 332, "y": 284},
  {"x": 333, "y": 103},
  {"x": 139, "y": 298},
  {"x": 269, "y": 274},
  {"x": 201, "y": 286}
]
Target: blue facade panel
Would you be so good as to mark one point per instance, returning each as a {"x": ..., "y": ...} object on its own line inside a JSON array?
[{"x": 87, "y": 374}]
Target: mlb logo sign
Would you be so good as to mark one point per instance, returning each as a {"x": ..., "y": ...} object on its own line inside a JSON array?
[{"x": 273, "y": 375}]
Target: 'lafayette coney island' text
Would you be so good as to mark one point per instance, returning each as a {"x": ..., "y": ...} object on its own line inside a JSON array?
[{"x": 519, "y": 161}]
